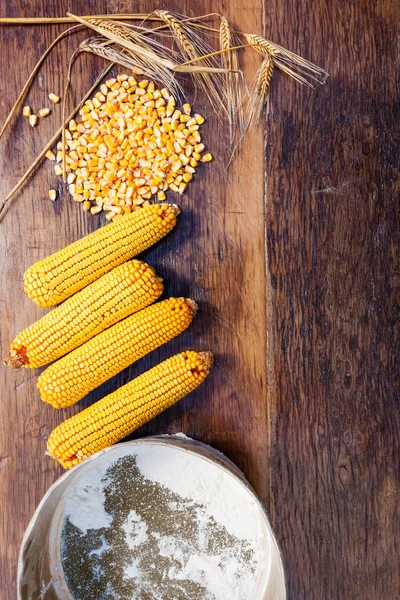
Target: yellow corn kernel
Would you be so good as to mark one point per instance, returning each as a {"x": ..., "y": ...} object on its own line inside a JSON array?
[
  {"x": 43, "y": 112},
  {"x": 27, "y": 111},
  {"x": 197, "y": 136},
  {"x": 118, "y": 414},
  {"x": 33, "y": 120},
  {"x": 54, "y": 98},
  {"x": 187, "y": 109},
  {"x": 52, "y": 195},
  {"x": 117, "y": 294},
  {"x": 50, "y": 155},
  {"x": 69, "y": 379},
  {"x": 206, "y": 158},
  {"x": 55, "y": 278}
]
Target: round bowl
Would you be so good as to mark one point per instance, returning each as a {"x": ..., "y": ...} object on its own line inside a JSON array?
[{"x": 173, "y": 482}]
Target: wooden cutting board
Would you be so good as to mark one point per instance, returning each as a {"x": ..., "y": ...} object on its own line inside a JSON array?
[{"x": 291, "y": 256}]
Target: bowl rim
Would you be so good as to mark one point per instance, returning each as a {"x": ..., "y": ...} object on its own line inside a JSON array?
[{"x": 183, "y": 442}]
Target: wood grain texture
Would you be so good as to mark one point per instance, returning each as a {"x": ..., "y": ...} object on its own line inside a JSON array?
[
  {"x": 216, "y": 256},
  {"x": 333, "y": 245}
]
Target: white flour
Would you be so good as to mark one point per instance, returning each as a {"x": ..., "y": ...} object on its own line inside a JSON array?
[
  {"x": 99, "y": 551},
  {"x": 135, "y": 530},
  {"x": 225, "y": 500},
  {"x": 84, "y": 503},
  {"x": 202, "y": 539}
]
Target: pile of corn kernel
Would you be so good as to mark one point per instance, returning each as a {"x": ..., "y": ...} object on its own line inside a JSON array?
[{"x": 130, "y": 144}]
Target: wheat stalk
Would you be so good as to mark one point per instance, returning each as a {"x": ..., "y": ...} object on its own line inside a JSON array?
[
  {"x": 261, "y": 45},
  {"x": 33, "y": 74},
  {"x": 144, "y": 51},
  {"x": 259, "y": 91},
  {"x": 217, "y": 72},
  {"x": 230, "y": 61},
  {"x": 184, "y": 43},
  {"x": 57, "y": 20},
  {"x": 293, "y": 65},
  {"x": 201, "y": 75},
  {"x": 265, "y": 76},
  {"x": 100, "y": 48},
  {"x": 226, "y": 41}
]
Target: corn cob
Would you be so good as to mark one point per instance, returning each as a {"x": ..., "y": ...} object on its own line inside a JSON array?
[
  {"x": 118, "y": 414},
  {"x": 125, "y": 290},
  {"x": 72, "y": 377},
  {"x": 52, "y": 280}
]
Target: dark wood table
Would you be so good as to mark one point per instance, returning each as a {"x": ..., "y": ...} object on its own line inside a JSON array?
[{"x": 292, "y": 256}]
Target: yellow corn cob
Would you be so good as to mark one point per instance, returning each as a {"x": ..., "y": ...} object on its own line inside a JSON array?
[
  {"x": 72, "y": 377},
  {"x": 52, "y": 280},
  {"x": 118, "y": 414},
  {"x": 125, "y": 290}
]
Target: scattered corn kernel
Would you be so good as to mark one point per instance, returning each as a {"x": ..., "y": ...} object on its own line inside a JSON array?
[
  {"x": 43, "y": 112},
  {"x": 52, "y": 195},
  {"x": 187, "y": 109},
  {"x": 54, "y": 98},
  {"x": 33, "y": 120},
  {"x": 206, "y": 158},
  {"x": 27, "y": 111},
  {"x": 50, "y": 155}
]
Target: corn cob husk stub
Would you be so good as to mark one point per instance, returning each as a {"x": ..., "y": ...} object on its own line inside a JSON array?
[
  {"x": 117, "y": 415},
  {"x": 119, "y": 293},
  {"x": 62, "y": 274},
  {"x": 70, "y": 378}
]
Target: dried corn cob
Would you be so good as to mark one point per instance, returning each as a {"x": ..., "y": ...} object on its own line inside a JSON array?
[
  {"x": 125, "y": 290},
  {"x": 118, "y": 414},
  {"x": 72, "y": 377},
  {"x": 60, "y": 275}
]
